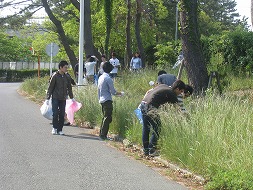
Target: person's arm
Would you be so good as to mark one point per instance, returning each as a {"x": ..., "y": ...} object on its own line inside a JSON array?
[
  {"x": 131, "y": 63},
  {"x": 112, "y": 89},
  {"x": 51, "y": 86},
  {"x": 70, "y": 93},
  {"x": 140, "y": 62}
]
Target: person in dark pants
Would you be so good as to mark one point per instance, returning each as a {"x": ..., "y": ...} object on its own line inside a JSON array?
[
  {"x": 105, "y": 91},
  {"x": 153, "y": 99},
  {"x": 59, "y": 88}
]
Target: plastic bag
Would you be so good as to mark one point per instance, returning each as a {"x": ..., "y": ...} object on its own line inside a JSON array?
[
  {"x": 46, "y": 110},
  {"x": 71, "y": 108},
  {"x": 138, "y": 115}
]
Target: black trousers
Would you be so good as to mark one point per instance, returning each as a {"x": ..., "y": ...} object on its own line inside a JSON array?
[{"x": 107, "y": 109}]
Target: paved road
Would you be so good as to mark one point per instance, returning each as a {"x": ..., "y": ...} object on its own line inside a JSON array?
[{"x": 33, "y": 159}]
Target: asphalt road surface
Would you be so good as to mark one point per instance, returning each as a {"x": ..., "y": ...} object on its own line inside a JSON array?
[{"x": 31, "y": 158}]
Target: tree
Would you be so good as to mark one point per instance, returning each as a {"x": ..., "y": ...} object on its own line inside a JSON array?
[
  {"x": 61, "y": 32},
  {"x": 193, "y": 56},
  {"x": 137, "y": 30},
  {"x": 128, "y": 33},
  {"x": 252, "y": 12}
]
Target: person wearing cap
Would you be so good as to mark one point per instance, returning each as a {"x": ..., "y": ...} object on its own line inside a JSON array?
[{"x": 105, "y": 91}]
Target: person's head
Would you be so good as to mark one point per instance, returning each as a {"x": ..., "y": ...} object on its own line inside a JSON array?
[
  {"x": 113, "y": 54},
  {"x": 88, "y": 57},
  {"x": 188, "y": 91},
  {"x": 103, "y": 58},
  {"x": 91, "y": 59},
  {"x": 107, "y": 67},
  {"x": 137, "y": 54},
  {"x": 161, "y": 72},
  {"x": 178, "y": 87},
  {"x": 63, "y": 67}
]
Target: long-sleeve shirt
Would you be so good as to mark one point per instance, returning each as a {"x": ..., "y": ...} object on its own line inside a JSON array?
[
  {"x": 105, "y": 88},
  {"x": 59, "y": 86},
  {"x": 136, "y": 63}
]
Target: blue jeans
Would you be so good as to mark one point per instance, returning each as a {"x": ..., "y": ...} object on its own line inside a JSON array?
[
  {"x": 151, "y": 120},
  {"x": 58, "y": 107}
]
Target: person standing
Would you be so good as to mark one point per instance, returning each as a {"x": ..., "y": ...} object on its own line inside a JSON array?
[
  {"x": 105, "y": 91},
  {"x": 90, "y": 69},
  {"x": 115, "y": 63},
  {"x": 59, "y": 88},
  {"x": 136, "y": 63},
  {"x": 160, "y": 95},
  {"x": 101, "y": 71}
]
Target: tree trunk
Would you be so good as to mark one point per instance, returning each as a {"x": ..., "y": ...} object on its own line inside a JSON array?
[
  {"x": 137, "y": 31},
  {"x": 128, "y": 34},
  {"x": 193, "y": 55},
  {"x": 88, "y": 41},
  {"x": 108, "y": 16},
  {"x": 61, "y": 33},
  {"x": 251, "y": 13}
]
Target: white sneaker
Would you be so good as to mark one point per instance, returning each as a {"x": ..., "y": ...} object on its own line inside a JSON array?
[
  {"x": 54, "y": 131},
  {"x": 60, "y": 133}
]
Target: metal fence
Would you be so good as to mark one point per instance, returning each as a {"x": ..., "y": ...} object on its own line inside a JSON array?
[{"x": 26, "y": 65}]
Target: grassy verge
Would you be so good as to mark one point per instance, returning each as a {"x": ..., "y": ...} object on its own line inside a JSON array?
[{"x": 215, "y": 140}]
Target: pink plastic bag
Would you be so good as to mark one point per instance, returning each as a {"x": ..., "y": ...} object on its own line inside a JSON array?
[{"x": 71, "y": 108}]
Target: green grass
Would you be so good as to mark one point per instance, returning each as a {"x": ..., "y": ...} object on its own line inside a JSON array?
[{"x": 215, "y": 140}]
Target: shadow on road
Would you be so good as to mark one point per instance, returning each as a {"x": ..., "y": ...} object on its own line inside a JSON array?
[{"x": 83, "y": 136}]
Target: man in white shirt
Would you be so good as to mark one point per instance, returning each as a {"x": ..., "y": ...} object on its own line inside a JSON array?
[
  {"x": 90, "y": 69},
  {"x": 115, "y": 63}
]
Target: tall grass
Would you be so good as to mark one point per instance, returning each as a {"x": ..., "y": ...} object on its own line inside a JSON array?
[
  {"x": 214, "y": 140},
  {"x": 217, "y": 136}
]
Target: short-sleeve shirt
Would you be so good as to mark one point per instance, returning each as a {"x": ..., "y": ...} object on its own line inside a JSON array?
[
  {"x": 114, "y": 62},
  {"x": 90, "y": 68}
]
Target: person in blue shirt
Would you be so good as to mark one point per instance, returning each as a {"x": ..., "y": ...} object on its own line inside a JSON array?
[
  {"x": 136, "y": 63},
  {"x": 105, "y": 91}
]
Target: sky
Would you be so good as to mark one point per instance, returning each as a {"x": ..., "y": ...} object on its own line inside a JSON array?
[{"x": 243, "y": 7}]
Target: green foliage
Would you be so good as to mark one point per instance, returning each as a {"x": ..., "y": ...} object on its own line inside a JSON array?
[
  {"x": 231, "y": 180},
  {"x": 165, "y": 54},
  {"x": 13, "y": 48}
]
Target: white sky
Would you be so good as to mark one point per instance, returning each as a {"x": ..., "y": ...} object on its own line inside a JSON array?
[{"x": 243, "y": 7}]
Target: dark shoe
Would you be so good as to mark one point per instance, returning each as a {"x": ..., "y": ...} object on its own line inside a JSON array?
[
  {"x": 67, "y": 124},
  {"x": 146, "y": 152},
  {"x": 153, "y": 152},
  {"x": 102, "y": 138}
]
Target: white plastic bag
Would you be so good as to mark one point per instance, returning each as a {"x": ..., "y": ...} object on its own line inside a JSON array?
[
  {"x": 46, "y": 109},
  {"x": 71, "y": 108}
]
